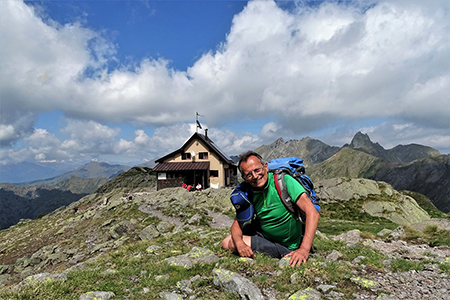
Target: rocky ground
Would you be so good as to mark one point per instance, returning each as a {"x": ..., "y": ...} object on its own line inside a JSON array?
[
  {"x": 429, "y": 283},
  {"x": 51, "y": 247}
]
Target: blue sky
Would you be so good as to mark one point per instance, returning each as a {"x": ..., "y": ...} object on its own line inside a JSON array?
[
  {"x": 181, "y": 31},
  {"x": 121, "y": 81}
]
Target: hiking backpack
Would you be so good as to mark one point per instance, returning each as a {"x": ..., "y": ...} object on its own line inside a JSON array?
[{"x": 292, "y": 166}]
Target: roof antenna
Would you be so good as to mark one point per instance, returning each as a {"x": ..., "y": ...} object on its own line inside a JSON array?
[{"x": 196, "y": 121}]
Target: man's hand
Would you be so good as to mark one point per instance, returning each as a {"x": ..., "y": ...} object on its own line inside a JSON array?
[
  {"x": 240, "y": 243},
  {"x": 298, "y": 257},
  {"x": 244, "y": 250}
]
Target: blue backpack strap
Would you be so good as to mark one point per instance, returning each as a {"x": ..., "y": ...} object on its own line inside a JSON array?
[
  {"x": 282, "y": 190},
  {"x": 308, "y": 185},
  {"x": 285, "y": 196}
]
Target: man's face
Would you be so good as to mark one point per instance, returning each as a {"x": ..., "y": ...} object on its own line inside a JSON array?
[{"x": 254, "y": 172}]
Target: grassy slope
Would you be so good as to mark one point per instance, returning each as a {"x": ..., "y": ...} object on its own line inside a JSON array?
[
  {"x": 346, "y": 163},
  {"x": 128, "y": 269}
]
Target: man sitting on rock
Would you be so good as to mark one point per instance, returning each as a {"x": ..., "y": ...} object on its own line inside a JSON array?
[{"x": 278, "y": 233}]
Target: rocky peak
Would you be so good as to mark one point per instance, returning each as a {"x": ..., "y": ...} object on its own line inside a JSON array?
[
  {"x": 277, "y": 143},
  {"x": 398, "y": 154},
  {"x": 361, "y": 141}
]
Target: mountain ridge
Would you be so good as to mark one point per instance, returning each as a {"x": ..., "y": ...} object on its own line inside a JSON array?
[
  {"x": 429, "y": 176},
  {"x": 90, "y": 170},
  {"x": 398, "y": 154},
  {"x": 32, "y": 199},
  {"x": 28, "y": 171},
  {"x": 312, "y": 151},
  {"x": 322, "y": 161},
  {"x": 411, "y": 167},
  {"x": 18, "y": 202}
]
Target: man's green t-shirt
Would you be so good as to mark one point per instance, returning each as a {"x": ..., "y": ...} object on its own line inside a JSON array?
[{"x": 277, "y": 223}]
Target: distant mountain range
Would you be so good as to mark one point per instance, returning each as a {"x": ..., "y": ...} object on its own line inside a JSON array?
[
  {"x": 90, "y": 170},
  {"x": 412, "y": 167},
  {"x": 31, "y": 199},
  {"x": 314, "y": 151},
  {"x": 27, "y": 173},
  {"x": 401, "y": 154}
]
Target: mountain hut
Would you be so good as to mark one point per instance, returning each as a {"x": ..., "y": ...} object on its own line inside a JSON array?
[{"x": 199, "y": 160}]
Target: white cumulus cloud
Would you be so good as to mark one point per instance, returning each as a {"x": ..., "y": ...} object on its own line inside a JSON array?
[{"x": 337, "y": 65}]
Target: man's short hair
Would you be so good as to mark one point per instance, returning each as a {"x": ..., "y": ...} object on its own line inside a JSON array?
[{"x": 245, "y": 156}]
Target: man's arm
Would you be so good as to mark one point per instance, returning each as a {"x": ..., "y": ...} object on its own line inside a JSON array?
[
  {"x": 300, "y": 255},
  {"x": 241, "y": 243}
]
